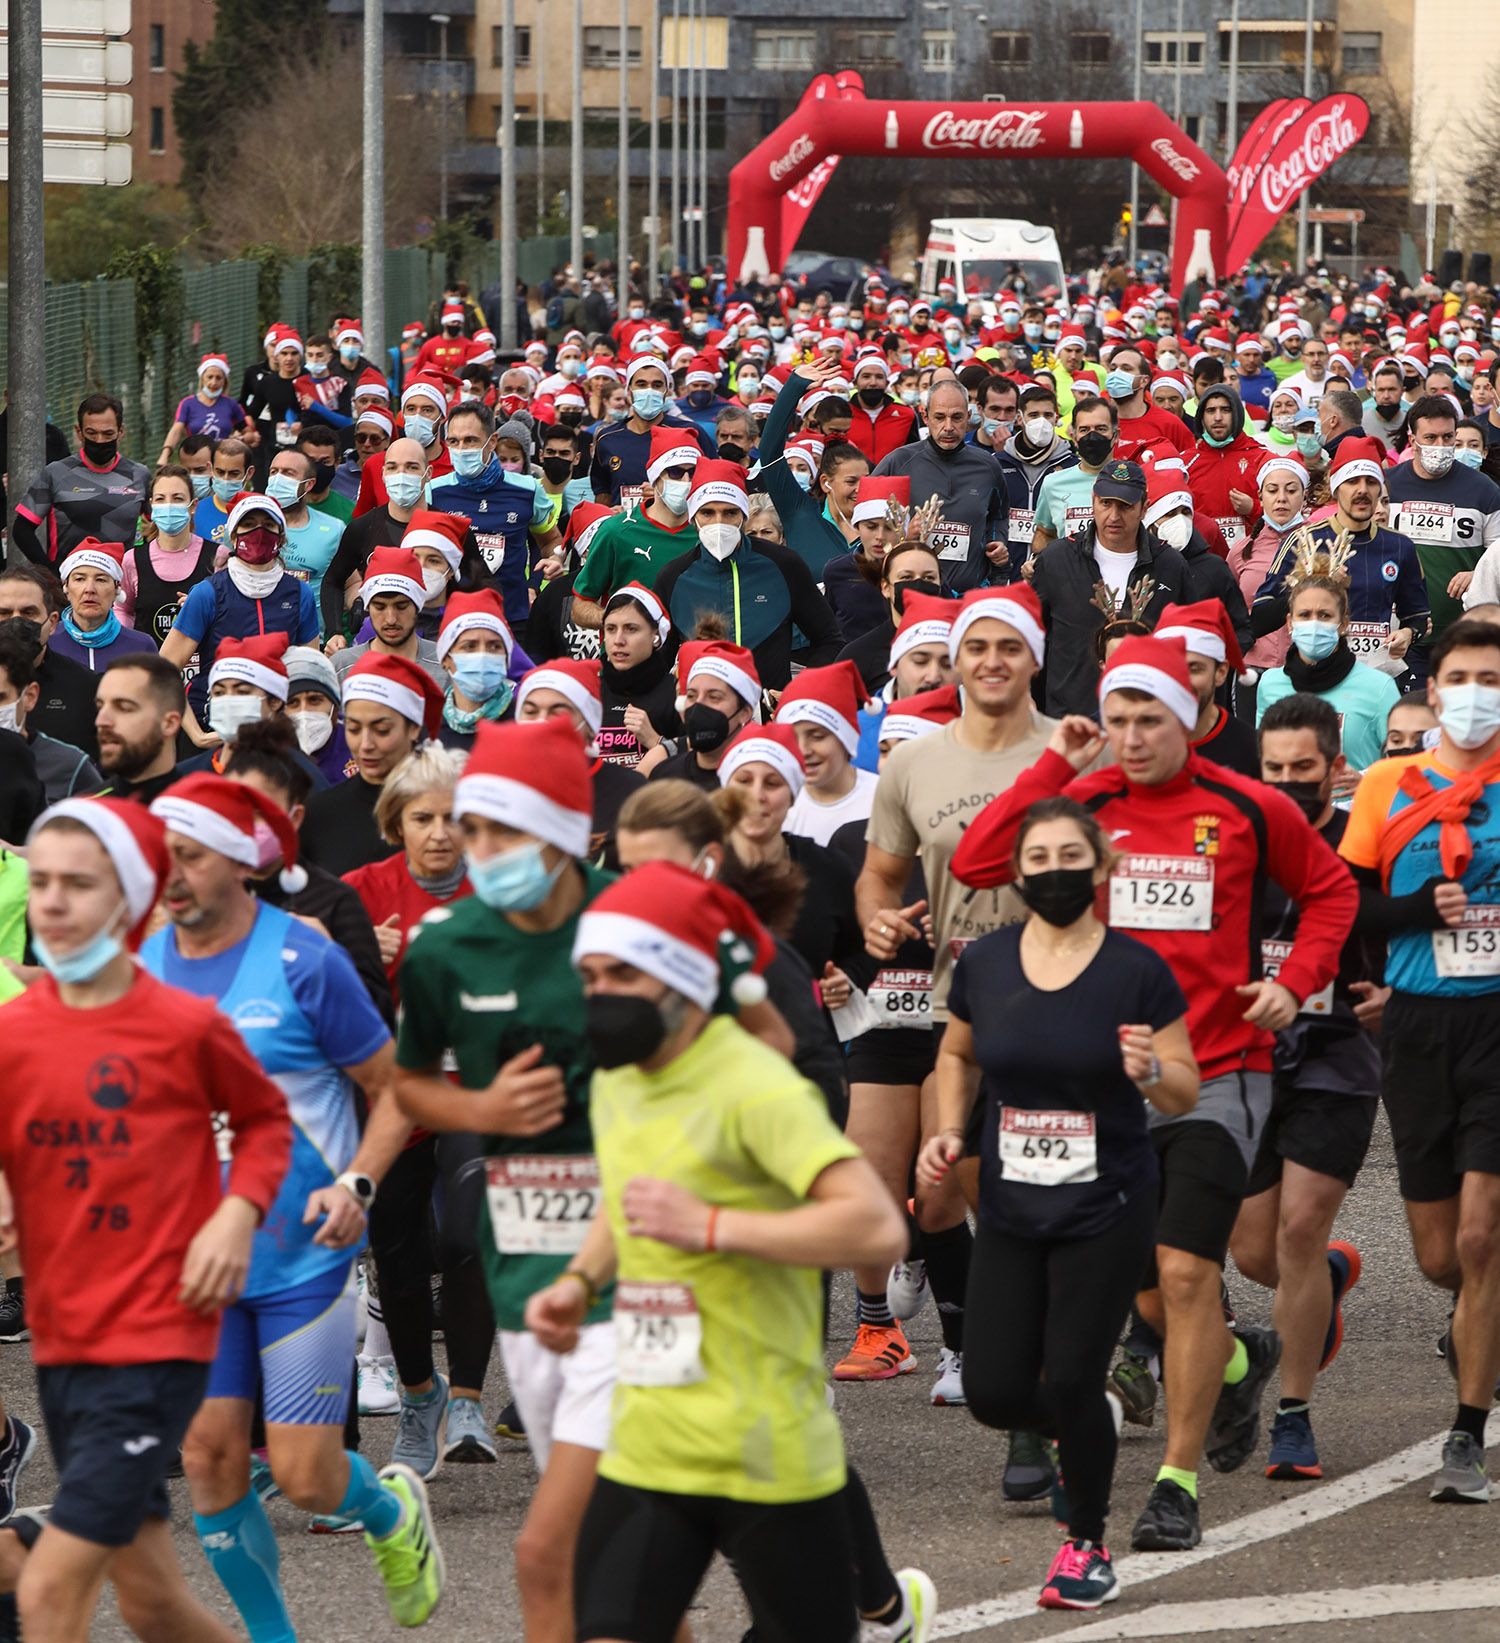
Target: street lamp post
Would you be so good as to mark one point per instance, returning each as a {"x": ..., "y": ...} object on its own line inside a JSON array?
[
  {"x": 653, "y": 203},
  {"x": 1307, "y": 84},
  {"x": 539, "y": 66},
  {"x": 692, "y": 139},
  {"x": 575, "y": 178},
  {"x": 675, "y": 235},
  {"x": 372, "y": 201},
  {"x": 508, "y": 223},
  {"x": 441, "y": 19},
  {"x": 622, "y": 143},
  {"x": 1135, "y": 170}
]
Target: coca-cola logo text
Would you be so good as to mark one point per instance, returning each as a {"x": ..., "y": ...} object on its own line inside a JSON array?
[
  {"x": 1006, "y": 128},
  {"x": 1180, "y": 163},
  {"x": 805, "y": 192},
  {"x": 1328, "y": 136},
  {"x": 801, "y": 147}
]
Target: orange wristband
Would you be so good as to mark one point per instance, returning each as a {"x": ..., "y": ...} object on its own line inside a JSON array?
[{"x": 713, "y": 1221}]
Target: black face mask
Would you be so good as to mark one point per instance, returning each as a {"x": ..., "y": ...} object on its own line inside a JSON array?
[
  {"x": 322, "y": 476},
  {"x": 1309, "y": 797},
  {"x": 1061, "y": 896},
  {"x": 1094, "y": 448},
  {"x": 557, "y": 468},
  {"x": 933, "y": 590},
  {"x": 101, "y": 452},
  {"x": 706, "y": 728},
  {"x": 570, "y": 419},
  {"x": 622, "y": 1030},
  {"x": 873, "y": 398},
  {"x": 733, "y": 453}
]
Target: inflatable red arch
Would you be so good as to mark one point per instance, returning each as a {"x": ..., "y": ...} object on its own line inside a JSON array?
[{"x": 772, "y": 190}]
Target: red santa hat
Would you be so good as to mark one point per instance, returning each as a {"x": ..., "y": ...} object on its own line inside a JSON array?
[
  {"x": 92, "y": 554},
  {"x": 671, "y": 448},
  {"x": 1070, "y": 334},
  {"x": 1205, "y": 629},
  {"x": 396, "y": 683},
  {"x": 731, "y": 665},
  {"x": 691, "y": 934},
  {"x": 213, "y": 362},
  {"x": 700, "y": 373},
  {"x": 921, "y": 715},
  {"x": 432, "y": 390},
  {"x": 376, "y": 416},
  {"x": 135, "y": 842},
  {"x": 254, "y": 661},
  {"x": 872, "y": 358},
  {"x": 877, "y": 492},
  {"x": 282, "y": 336},
  {"x": 481, "y": 612},
  {"x": 452, "y": 310},
  {"x": 1357, "y": 457},
  {"x": 413, "y": 328},
  {"x": 427, "y": 528},
  {"x": 394, "y": 570},
  {"x": 534, "y": 777},
  {"x": 568, "y": 399},
  {"x": 718, "y": 481},
  {"x": 1283, "y": 464},
  {"x": 583, "y": 526},
  {"x": 773, "y": 744},
  {"x": 829, "y": 697},
  {"x": 924, "y": 621},
  {"x": 578, "y": 682},
  {"x": 1171, "y": 379},
  {"x": 1017, "y": 606},
  {"x": 233, "y": 819},
  {"x": 655, "y": 610},
  {"x": 1166, "y": 491},
  {"x": 603, "y": 369},
  {"x": 1159, "y": 668},
  {"x": 370, "y": 384},
  {"x": 347, "y": 330}
]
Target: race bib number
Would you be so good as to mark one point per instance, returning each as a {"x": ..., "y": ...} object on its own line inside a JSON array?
[
  {"x": 491, "y": 546},
  {"x": 1473, "y": 949},
  {"x": 949, "y": 541},
  {"x": 1162, "y": 893},
  {"x": 1077, "y": 517},
  {"x": 1371, "y": 644},
  {"x": 541, "y": 1205},
  {"x": 902, "y": 998},
  {"x": 1426, "y": 521},
  {"x": 630, "y": 499},
  {"x": 1273, "y": 954},
  {"x": 1022, "y": 526},
  {"x": 658, "y": 1335},
  {"x": 1233, "y": 528},
  {"x": 1048, "y": 1149}
]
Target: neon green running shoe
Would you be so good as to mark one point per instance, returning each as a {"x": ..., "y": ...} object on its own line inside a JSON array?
[{"x": 409, "y": 1559}]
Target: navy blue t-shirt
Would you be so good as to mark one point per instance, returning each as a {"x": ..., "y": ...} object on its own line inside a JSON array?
[{"x": 1058, "y": 1053}]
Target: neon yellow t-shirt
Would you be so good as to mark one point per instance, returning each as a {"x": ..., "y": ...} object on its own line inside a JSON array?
[{"x": 736, "y": 1125}]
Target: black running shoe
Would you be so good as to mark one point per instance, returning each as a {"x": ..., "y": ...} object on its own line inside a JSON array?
[
  {"x": 508, "y": 1424},
  {"x": 17, "y": 1446},
  {"x": 13, "y": 1326},
  {"x": 1233, "y": 1431},
  {"x": 1170, "y": 1521},
  {"x": 1030, "y": 1467}
]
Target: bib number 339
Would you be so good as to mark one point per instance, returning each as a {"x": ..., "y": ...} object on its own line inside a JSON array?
[
  {"x": 1048, "y": 1149},
  {"x": 1162, "y": 893},
  {"x": 541, "y": 1205},
  {"x": 658, "y": 1335}
]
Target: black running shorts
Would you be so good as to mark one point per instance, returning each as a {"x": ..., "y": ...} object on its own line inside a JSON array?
[
  {"x": 893, "y": 1055},
  {"x": 1321, "y": 1130},
  {"x": 1203, "y": 1179},
  {"x": 1440, "y": 1081},
  {"x": 114, "y": 1431}
]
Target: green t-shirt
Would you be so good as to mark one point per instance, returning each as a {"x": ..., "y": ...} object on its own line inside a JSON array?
[
  {"x": 478, "y": 990},
  {"x": 14, "y": 879},
  {"x": 1065, "y": 501},
  {"x": 630, "y": 549},
  {"x": 735, "y": 1124},
  {"x": 335, "y": 506}
]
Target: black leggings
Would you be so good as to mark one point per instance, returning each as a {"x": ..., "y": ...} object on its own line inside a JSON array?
[
  {"x": 409, "y": 1247},
  {"x": 642, "y": 1554},
  {"x": 1040, "y": 1327}
]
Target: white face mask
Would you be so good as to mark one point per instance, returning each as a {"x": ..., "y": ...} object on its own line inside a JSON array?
[
  {"x": 1435, "y": 459},
  {"x": 719, "y": 540},
  {"x": 1175, "y": 531},
  {"x": 435, "y": 581},
  {"x": 8, "y": 716},
  {"x": 226, "y": 714},
  {"x": 1469, "y": 714},
  {"x": 313, "y": 729},
  {"x": 1038, "y": 430}
]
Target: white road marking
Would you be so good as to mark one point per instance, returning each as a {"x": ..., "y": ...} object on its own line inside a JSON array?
[
  {"x": 1245, "y": 1614},
  {"x": 1297, "y": 1511}
]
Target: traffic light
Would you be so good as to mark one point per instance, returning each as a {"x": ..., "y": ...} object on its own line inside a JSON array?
[{"x": 1125, "y": 216}]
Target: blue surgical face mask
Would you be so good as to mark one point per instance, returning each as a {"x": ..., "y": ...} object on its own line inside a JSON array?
[
  {"x": 284, "y": 489},
  {"x": 1119, "y": 384},
  {"x": 649, "y": 403},
  {"x": 803, "y": 478},
  {"x": 227, "y": 489},
  {"x": 992, "y": 426},
  {"x": 1309, "y": 444},
  {"x": 349, "y": 353},
  {"x": 479, "y": 675},
  {"x": 617, "y": 413},
  {"x": 202, "y": 485},
  {"x": 468, "y": 464},
  {"x": 85, "y": 962},
  {"x": 317, "y": 367},
  {"x": 170, "y": 517},
  {"x": 674, "y": 495},
  {"x": 1470, "y": 459},
  {"x": 419, "y": 428},
  {"x": 405, "y": 490},
  {"x": 1469, "y": 714},
  {"x": 515, "y": 882},
  {"x": 1316, "y": 640}
]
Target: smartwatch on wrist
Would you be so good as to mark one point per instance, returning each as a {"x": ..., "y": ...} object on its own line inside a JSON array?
[{"x": 359, "y": 1187}]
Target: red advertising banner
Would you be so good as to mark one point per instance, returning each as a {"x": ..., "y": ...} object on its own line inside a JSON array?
[
  {"x": 1293, "y": 162},
  {"x": 798, "y": 201},
  {"x": 1253, "y": 147}
]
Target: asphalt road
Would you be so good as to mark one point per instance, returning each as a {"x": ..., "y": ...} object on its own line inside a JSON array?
[{"x": 1363, "y": 1555}]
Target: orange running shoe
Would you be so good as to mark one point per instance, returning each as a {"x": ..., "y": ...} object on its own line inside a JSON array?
[{"x": 879, "y": 1353}]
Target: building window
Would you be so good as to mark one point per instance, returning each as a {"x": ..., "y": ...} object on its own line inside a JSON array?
[
  {"x": 1089, "y": 48},
  {"x": 937, "y": 51},
  {"x": 1192, "y": 126},
  {"x": 601, "y": 47},
  {"x": 1361, "y": 54},
  {"x": 1168, "y": 51},
  {"x": 157, "y": 35},
  {"x": 1010, "y": 50},
  {"x": 1269, "y": 48},
  {"x": 158, "y": 142},
  {"x": 866, "y": 48},
  {"x": 523, "y": 47},
  {"x": 784, "y": 48}
]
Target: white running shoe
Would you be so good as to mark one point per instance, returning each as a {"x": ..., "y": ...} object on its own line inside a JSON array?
[
  {"x": 378, "y": 1391},
  {"x": 948, "y": 1388},
  {"x": 918, "y": 1612},
  {"x": 906, "y": 1289},
  {"x": 361, "y": 1303}
]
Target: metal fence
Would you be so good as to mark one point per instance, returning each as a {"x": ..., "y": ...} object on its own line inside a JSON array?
[{"x": 92, "y": 343}]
